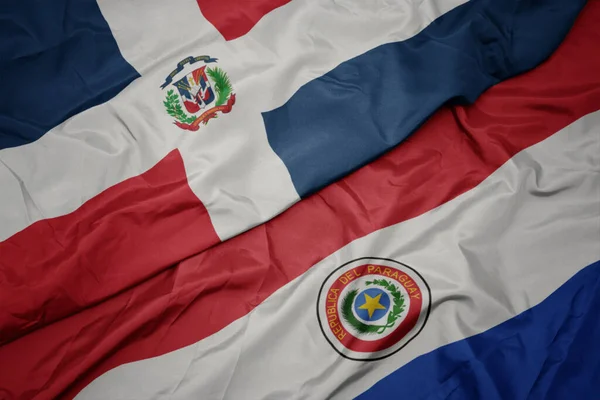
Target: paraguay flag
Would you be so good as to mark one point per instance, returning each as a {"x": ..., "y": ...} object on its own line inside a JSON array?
[{"x": 291, "y": 199}]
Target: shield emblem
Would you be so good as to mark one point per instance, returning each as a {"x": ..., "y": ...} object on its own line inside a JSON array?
[
  {"x": 199, "y": 96},
  {"x": 195, "y": 90}
]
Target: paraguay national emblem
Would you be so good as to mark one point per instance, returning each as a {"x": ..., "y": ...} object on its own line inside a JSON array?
[
  {"x": 196, "y": 91},
  {"x": 370, "y": 308}
]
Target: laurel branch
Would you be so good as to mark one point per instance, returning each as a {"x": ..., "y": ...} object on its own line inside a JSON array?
[
  {"x": 363, "y": 328},
  {"x": 174, "y": 109}
]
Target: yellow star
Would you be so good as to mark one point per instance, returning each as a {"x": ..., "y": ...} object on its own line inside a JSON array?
[{"x": 372, "y": 304}]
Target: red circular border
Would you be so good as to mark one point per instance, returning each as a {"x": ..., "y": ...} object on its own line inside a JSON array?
[{"x": 350, "y": 341}]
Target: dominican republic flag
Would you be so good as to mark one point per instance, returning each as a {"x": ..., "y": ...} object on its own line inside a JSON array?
[{"x": 293, "y": 199}]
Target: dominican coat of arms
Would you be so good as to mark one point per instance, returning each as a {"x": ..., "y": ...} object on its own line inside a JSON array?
[{"x": 197, "y": 90}]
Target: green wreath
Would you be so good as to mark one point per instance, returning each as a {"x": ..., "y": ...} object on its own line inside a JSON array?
[
  {"x": 175, "y": 110},
  {"x": 363, "y": 328},
  {"x": 222, "y": 87}
]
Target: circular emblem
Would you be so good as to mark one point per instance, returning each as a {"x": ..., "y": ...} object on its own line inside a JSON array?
[
  {"x": 370, "y": 308},
  {"x": 197, "y": 90}
]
